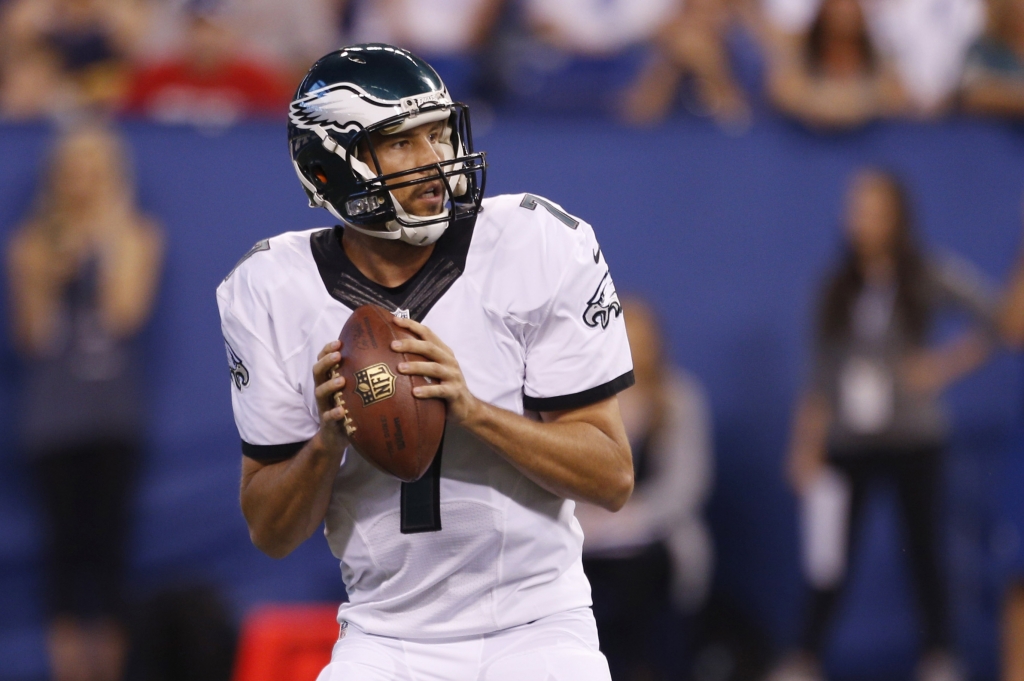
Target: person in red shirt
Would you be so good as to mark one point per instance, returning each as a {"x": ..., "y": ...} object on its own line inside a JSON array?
[{"x": 208, "y": 83}]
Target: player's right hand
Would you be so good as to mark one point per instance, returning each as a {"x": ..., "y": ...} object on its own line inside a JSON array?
[{"x": 332, "y": 416}]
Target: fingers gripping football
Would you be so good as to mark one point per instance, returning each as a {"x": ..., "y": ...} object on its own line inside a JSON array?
[
  {"x": 443, "y": 368},
  {"x": 334, "y": 420}
]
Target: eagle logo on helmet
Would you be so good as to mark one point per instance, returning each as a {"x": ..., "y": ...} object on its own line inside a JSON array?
[{"x": 326, "y": 107}]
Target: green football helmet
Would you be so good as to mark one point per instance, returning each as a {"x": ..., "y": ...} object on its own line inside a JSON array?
[{"x": 368, "y": 88}]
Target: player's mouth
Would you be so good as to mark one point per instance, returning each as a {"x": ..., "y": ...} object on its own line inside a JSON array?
[{"x": 430, "y": 196}]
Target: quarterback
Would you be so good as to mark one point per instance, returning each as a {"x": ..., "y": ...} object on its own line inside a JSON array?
[{"x": 474, "y": 571}]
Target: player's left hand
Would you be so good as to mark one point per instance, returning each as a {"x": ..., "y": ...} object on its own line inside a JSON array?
[{"x": 442, "y": 367}]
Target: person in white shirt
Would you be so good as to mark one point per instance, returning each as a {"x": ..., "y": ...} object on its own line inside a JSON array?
[{"x": 475, "y": 570}]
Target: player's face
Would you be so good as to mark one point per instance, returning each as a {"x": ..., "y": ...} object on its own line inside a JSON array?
[{"x": 419, "y": 146}]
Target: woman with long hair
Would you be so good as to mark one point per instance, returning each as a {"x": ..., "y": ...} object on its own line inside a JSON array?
[
  {"x": 83, "y": 273},
  {"x": 872, "y": 410},
  {"x": 832, "y": 77}
]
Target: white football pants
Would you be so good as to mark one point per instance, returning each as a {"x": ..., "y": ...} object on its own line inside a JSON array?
[{"x": 561, "y": 647}]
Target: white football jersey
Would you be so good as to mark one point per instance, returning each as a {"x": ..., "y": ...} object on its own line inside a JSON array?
[{"x": 523, "y": 296}]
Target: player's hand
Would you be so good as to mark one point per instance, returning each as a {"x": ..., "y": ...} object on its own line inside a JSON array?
[
  {"x": 442, "y": 367},
  {"x": 332, "y": 416}
]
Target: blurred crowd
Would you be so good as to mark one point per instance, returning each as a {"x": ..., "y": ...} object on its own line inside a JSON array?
[
  {"x": 831, "y": 64},
  {"x": 84, "y": 269}
]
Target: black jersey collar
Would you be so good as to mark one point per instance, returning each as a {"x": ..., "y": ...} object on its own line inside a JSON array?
[{"x": 352, "y": 288}]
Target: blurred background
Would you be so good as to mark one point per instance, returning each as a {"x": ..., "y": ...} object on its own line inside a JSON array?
[{"x": 812, "y": 210}]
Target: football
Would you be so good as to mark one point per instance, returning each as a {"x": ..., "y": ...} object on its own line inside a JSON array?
[{"x": 390, "y": 427}]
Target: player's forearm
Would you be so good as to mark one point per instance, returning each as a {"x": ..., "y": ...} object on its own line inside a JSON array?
[
  {"x": 284, "y": 503},
  {"x": 572, "y": 459}
]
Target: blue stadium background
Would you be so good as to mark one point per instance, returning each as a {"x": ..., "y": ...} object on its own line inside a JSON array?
[{"x": 729, "y": 235}]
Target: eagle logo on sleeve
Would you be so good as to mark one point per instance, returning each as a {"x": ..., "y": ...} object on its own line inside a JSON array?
[
  {"x": 603, "y": 305},
  {"x": 239, "y": 372}
]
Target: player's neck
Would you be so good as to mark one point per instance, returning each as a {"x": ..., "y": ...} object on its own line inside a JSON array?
[{"x": 389, "y": 263}]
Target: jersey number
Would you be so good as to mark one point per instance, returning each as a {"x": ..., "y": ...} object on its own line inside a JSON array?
[{"x": 530, "y": 202}]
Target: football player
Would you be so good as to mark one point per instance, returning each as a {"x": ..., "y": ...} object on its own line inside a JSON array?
[{"x": 474, "y": 571}]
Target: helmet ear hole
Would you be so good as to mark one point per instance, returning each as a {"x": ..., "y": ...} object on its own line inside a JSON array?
[{"x": 319, "y": 176}]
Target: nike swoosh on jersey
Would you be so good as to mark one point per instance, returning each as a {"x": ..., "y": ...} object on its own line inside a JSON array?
[{"x": 597, "y": 255}]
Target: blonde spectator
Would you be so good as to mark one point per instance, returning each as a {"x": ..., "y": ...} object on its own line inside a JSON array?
[{"x": 83, "y": 273}]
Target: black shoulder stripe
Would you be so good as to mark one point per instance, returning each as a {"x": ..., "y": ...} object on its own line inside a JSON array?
[
  {"x": 272, "y": 453},
  {"x": 580, "y": 399}
]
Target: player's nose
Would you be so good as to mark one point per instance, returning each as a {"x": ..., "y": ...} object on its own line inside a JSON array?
[{"x": 427, "y": 152}]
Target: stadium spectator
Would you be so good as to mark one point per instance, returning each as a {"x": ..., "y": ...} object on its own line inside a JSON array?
[
  {"x": 924, "y": 41},
  {"x": 656, "y": 550},
  {"x": 83, "y": 272},
  {"x": 927, "y": 42},
  {"x": 450, "y": 35},
  {"x": 577, "y": 56},
  {"x": 32, "y": 85},
  {"x": 993, "y": 80},
  {"x": 832, "y": 76},
  {"x": 284, "y": 36},
  {"x": 209, "y": 83},
  {"x": 597, "y": 27},
  {"x": 872, "y": 412},
  {"x": 691, "y": 44},
  {"x": 288, "y": 35},
  {"x": 1009, "y": 488},
  {"x": 64, "y": 54}
]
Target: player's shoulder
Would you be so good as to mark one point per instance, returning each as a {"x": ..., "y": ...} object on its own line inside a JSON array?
[
  {"x": 271, "y": 264},
  {"x": 531, "y": 222}
]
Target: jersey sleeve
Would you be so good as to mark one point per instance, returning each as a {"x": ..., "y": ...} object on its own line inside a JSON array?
[
  {"x": 270, "y": 411},
  {"x": 579, "y": 354}
]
